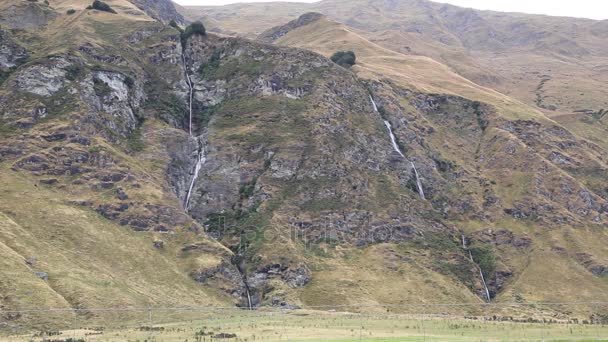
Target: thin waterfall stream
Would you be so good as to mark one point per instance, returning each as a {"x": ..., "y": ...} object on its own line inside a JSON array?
[
  {"x": 483, "y": 280},
  {"x": 418, "y": 183},
  {"x": 396, "y": 148},
  {"x": 190, "y": 95},
  {"x": 201, "y": 158}
]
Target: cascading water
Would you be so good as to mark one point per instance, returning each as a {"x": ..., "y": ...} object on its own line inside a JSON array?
[
  {"x": 248, "y": 297},
  {"x": 483, "y": 279},
  {"x": 396, "y": 148},
  {"x": 201, "y": 159},
  {"x": 190, "y": 95},
  {"x": 393, "y": 140},
  {"x": 236, "y": 262},
  {"x": 418, "y": 182},
  {"x": 373, "y": 103}
]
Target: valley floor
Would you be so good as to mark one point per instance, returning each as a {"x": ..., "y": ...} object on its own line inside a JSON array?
[{"x": 307, "y": 325}]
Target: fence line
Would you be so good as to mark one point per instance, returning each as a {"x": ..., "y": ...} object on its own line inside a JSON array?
[{"x": 311, "y": 307}]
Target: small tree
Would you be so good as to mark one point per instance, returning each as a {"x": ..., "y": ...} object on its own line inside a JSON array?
[
  {"x": 101, "y": 6},
  {"x": 71, "y": 11},
  {"x": 195, "y": 28},
  {"x": 344, "y": 58},
  {"x": 173, "y": 24}
]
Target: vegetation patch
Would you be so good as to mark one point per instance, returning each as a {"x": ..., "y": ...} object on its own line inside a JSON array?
[
  {"x": 101, "y": 6},
  {"x": 344, "y": 59},
  {"x": 135, "y": 141},
  {"x": 231, "y": 68},
  {"x": 207, "y": 70},
  {"x": 129, "y": 82},
  {"x": 246, "y": 190},
  {"x": 483, "y": 255},
  {"x": 102, "y": 89},
  {"x": 73, "y": 71},
  {"x": 479, "y": 114},
  {"x": 196, "y": 27},
  {"x": 70, "y": 11}
]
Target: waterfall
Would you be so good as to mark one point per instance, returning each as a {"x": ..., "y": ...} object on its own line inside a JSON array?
[
  {"x": 248, "y": 297},
  {"x": 483, "y": 279},
  {"x": 418, "y": 183},
  {"x": 191, "y": 93},
  {"x": 393, "y": 140},
  {"x": 201, "y": 159},
  {"x": 396, "y": 148},
  {"x": 235, "y": 261},
  {"x": 373, "y": 103}
]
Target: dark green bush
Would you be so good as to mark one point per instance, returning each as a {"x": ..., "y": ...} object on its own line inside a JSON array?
[
  {"x": 70, "y": 11},
  {"x": 129, "y": 82},
  {"x": 344, "y": 58},
  {"x": 484, "y": 257},
  {"x": 173, "y": 24},
  {"x": 195, "y": 28},
  {"x": 73, "y": 71},
  {"x": 101, "y": 88},
  {"x": 101, "y": 6}
]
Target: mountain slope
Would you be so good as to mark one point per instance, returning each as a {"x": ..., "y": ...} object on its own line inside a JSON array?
[
  {"x": 145, "y": 167},
  {"x": 554, "y": 64},
  {"x": 497, "y": 157},
  {"x": 85, "y": 199}
]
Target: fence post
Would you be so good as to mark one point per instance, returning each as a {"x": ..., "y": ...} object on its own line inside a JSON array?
[
  {"x": 150, "y": 316},
  {"x": 422, "y": 322},
  {"x": 360, "y": 325},
  {"x": 596, "y": 316}
]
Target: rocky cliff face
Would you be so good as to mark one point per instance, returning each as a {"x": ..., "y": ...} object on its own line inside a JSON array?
[{"x": 161, "y": 10}]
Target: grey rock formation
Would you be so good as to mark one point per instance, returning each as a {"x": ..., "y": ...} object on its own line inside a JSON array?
[
  {"x": 43, "y": 79},
  {"x": 161, "y": 10},
  {"x": 114, "y": 94},
  {"x": 11, "y": 53},
  {"x": 27, "y": 15},
  {"x": 277, "y": 32}
]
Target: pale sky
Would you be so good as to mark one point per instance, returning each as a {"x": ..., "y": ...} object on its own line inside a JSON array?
[{"x": 595, "y": 9}]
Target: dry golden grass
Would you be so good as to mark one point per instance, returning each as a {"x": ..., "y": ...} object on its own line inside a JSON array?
[{"x": 418, "y": 72}]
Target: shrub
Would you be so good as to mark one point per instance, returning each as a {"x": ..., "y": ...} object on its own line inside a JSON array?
[
  {"x": 173, "y": 24},
  {"x": 73, "y": 71},
  {"x": 484, "y": 257},
  {"x": 70, "y": 11},
  {"x": 101, "y": 6},
  {"x": 129, "y": 82},
  {"x": 101, "y": 88},
  {"x": 344, "y": 58},
  {"x": 195, "y": 28},
  {"x": 135, "y": 141}
]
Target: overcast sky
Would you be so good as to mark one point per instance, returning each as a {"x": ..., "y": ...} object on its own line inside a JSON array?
[{"x": 596, "y": 9}]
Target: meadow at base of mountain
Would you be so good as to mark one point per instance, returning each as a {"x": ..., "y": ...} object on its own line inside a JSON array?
[{"x": 428, "y": 323}]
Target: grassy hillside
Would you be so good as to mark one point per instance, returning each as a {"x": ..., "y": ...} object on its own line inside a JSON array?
[
  {"x": 88, "y": 219},
  {"x": 551, "y": 63},
  {"x": 504, "y": 176},
  {"x": 288, "y": 190}
]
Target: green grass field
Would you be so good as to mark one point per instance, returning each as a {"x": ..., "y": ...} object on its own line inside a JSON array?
[{"x": 304, "y": 325}]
